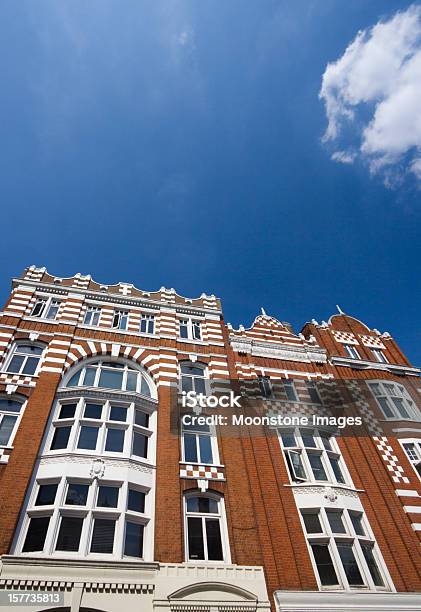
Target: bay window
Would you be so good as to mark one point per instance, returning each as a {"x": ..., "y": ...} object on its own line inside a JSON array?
[{"x": 394, "y": 400}]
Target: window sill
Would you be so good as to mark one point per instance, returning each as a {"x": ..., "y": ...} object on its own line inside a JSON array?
[
  {"x": 330, "y": 485},
  {"x": 216, "y": 465}
]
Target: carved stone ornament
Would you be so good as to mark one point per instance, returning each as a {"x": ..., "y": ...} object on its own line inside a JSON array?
[
  {"x": 97, "y": 468},
  {"x": 330, "y": 495}
]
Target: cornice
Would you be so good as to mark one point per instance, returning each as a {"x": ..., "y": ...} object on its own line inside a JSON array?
[
  {"x": 362, "y": 364},
  {"x": 277, "y": 350}
]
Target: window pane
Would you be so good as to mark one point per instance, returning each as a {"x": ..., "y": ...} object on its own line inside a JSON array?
[
  {"x": 136, "y": 501},
  {"x": 118, "y": 413},
  {"x": 103, "y": 536},
  {"x": 60, "y": 438},
  {"x": 141, "y": 418},
  {"x": 133, "y": 542},
  {"x": 356, "y": 520},
  {"x": 52, "y": 311},
  {"x": 111, "y": 379},
  {"x": 400, "y": 407},
  {"x": 386, "y": 408},
  {"x": 195, "y": 538},
  {"x": 35, "y": 537},
  {"x": 10, "y": 405},
  {"x": 334, "y": 462},
  {"x": 199, "y": 385},
  {"x": 131, "y": 384},
  {"x": 7, "y": 424},
  {"x": 108, "y": 497},
  {"x": 196, "y": 427},
  {"x": 93, "y": 411},
  {"x": 144, "y": 388},
  {"x": 30, "y": 365},
  {"x": 350, "y": 565},
  {"x": 295, "y": 466},
  {"x": 326, "y": 441},
  {"x": 88, "y": 437},
  {"x": 317, "y": 466},
  {"x": 74, "y": 381},
  {"x": 140, "y": 445},
  {"x": 115, "y": 440},
  {"x": 77, "y": 494},
  {"x": 188, "y": 368},
  {"x": 46, "y": 495},
  {"x": 312, "y": 523},
  {"x": 15, "y": 364},
  {"x": 190, "y": 449},
  {"x": 290, "y": 391},
  {"x": 186, "y": 383},
  {"x": 205, "y": 447},
  {"x": 29, "y": 349},
  {"x": 204, "y": 505},
  {"x": 67, "y": 411},
  {"x": 372, "y": 565},
  {"x": 214, "y": 542},
  {"x": 183, "y": 330},
  {"x": 325, "y": 567},
  {"x": 69, "y": 534},
  {"x": 89, "y": 377},
  {"x": 335, "y": 522},
  {"x": 308, "y": 439},
  {"x": 288, "y": 439}
]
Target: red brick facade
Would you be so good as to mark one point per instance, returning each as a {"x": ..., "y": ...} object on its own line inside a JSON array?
[{"x": 262, "y": 503}]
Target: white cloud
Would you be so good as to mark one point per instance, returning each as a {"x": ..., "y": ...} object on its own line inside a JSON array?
[
  {"x": 373, "y": 93},
  {"x": 343, "y": 157}
]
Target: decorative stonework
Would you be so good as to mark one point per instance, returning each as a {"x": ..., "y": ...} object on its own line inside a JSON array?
[{"x": 277, "y": 350}]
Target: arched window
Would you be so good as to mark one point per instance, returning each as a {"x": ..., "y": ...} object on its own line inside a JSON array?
[
  {"x": 92, "y": 492},
  {"x": 193, "y": 377},
  {"x": 24, "y": 359},
  {"x": 205, "y": 528},
  {"x": 110, "y": 375},
  {"x": 10, "y": 411}
]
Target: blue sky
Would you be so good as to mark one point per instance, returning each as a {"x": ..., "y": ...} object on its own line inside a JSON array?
[{"x": 179, "y": 143}]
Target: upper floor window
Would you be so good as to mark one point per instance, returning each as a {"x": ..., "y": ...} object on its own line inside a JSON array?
[
  {"x": 352, "y": 351},
  {"x": 147, "y": 323},
  {"x": 104, "y": 428},
  {"x": 412, "y": 449},
  {"x": 193, "y": 377},
  {"x": 343, "y": 550},
  {"x": 265, "y": 387},
  {"x": 120, "y": 319},
  {"x": 312, "y": 456},
  {"x": 290, "y": 390},
  {"x": 190, "y": 328},
  {"x": 205, "y": 529},
  {"x": 85, "y": 517},
  {"x": 92, "y": 316},
  {"x": 313, "y": 392},
  {"x": 110, "y": 375},
  {"x": 25, "y": 359},
  {"x": 46, "y": 308},
  {"x": 379, "y": 356},
  {"x": 199, "y": 445},
  {"x": 394, "y": 400},
  {"x": 10, "y": 411}
]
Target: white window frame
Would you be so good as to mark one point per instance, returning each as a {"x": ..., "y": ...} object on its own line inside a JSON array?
[
  {"x": 265, "y": 386},
  {"x": 95, "y": 312},
  {"x": 205, "y": 377},
  {"x": 413, "y": 461},
  {"x": 120, "y": 319},
  {"x": 386, "y": 396},
  {"x": 379, "y": 355},
  {"x": 222, "y": 527},
  {"x": 5, "y": 412},
  {"x": 192, "y": 325},
  {"x": 88, "y": 513},
  {"x": 352, "y": 351},
  {"x": 320, "y": 450},
  {"x": 48, "y": 303},
  {"x": 197, "y": 434},
  {"x": 103, "y": 424},
  {"x": 149, "y": 321},
  {"x": 14, "y": 350},
  {"x": 329, "y": 538}
]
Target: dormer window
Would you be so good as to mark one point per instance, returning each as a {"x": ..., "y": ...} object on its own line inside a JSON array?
[
  {"x": 352, "y": 351},
  {"x": 379, "y": 356}
]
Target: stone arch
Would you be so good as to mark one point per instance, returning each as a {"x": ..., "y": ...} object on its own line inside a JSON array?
[
  {"x": 212, "y": 591},
  {"x": 83, "y": 349}
]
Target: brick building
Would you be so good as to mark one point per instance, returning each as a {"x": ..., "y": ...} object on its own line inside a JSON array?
[{"x": 108, "y": 500}]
